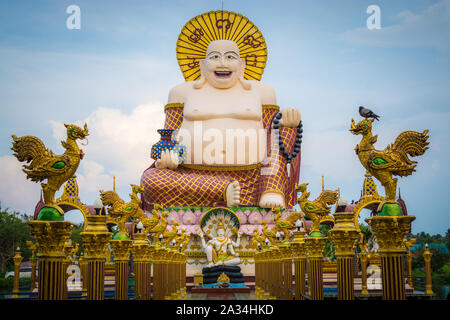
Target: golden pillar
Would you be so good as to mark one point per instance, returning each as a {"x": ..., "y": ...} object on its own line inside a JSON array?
[
  {"x": 390, "y": 232},
  {"x": 363, "y": 259},
  {"x": 50, "y": 239},
  {"x": 286, "y": 263},
  {"x": 268, "y": 274},
  {"x": 95, "y": 243},
  {"x": 264, "y": 282},
  {"x": 142, "y": 266},
  {"x": 183, "y": 275},
  {"x": 68, "y": 248},
  {"x": 256, "y": 259},
  {"x": 17, "y": 261},
  {"x": 157, "y": 273},
  {"x": 315, "y": 247},
  {"x": 344, "y": 235},
  {"x": 428, "y": 283},
  {"x": 165, "y": 262},
  {"x": 299, "y": 253},
  {"x": 276, "y": 273},
  {"x": 121, "y": 250},
  {"x": 84, "y": 273},
  {"x": 33, "y": 260},
  {"x": 409, "y": 268},
  {"x": 174, "y": 292}
]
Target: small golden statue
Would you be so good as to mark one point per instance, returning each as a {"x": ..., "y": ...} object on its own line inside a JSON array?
[
  {"x": 319, "y": 209},
  {"x": 223, "y": 278},
  {"x": 120, "y": 211},
  {"x": 284, "y": 225},
  {"x": 393, "y": 160},
  {"x": 57, "y": 169}
]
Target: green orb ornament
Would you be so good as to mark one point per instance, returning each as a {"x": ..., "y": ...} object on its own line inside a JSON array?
[
  {"x": 316, "y": 234},
  {"x": 50, "y": 214},
  {"x": 391, "y": 209},
  {"x": 120, "y": 236}
]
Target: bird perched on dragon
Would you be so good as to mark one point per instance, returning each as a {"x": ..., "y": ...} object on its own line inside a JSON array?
[{"x": 393, "y": 160}]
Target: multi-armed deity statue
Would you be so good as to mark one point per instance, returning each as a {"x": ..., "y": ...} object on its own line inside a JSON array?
[
  {"x": 225, "y": 117},
  {"x": 220, "y": 226}
]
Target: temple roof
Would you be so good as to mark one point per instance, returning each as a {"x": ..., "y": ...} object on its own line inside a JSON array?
[
  {"x": 38, "y": 208},
  {"x": 402, "y": 203}
]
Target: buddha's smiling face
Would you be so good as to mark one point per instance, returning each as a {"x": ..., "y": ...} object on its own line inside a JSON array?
[{"x": 222, "y": 66}]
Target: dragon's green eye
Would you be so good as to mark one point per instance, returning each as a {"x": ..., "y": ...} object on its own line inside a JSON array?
[
  {"x": 310, "y": 207},
  {"x": 366, "y": 126},
  {"x": 59, "y": 165},
  {"x": 379, "y": 161},
  {"x": 128, "y": 208}
]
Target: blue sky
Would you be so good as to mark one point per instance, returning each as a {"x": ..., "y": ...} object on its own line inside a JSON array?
[{"x": 116, "y": 71}]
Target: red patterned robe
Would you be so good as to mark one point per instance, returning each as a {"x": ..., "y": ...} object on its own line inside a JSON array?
[{"x": 198, "y": 185}]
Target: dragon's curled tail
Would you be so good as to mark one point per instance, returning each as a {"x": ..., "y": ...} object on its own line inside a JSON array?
[
  {"x": 411, "y": 142},
  {"x": 29, "y": 148}
]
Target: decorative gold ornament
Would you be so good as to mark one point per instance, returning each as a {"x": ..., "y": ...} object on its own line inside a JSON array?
[
  {"x": 393, "y": 160},
  {"x": 198, "y": 32},
  {"x": 121, "y": 249},
  {"x": 319, "y": 209},
  {"x": 223, "y": 278},
  {"x": 344, "y": 234},
  {"x": 33, "y": 247},
  {"x": 96, "y": 238},
  {"x": 284, "y": 225},
  {"x": 315, "y": 246},
  {"x": 428, "y": 280},
  {"x": 257, "y": 239},
  {"x": 119, "y": 211},
  {"x": 390, "y": 232},
  {"x": 370, "y": 199},
  {"x": 70, "y": 199},
  {"x": 57, "y": 169},
  {"x": 156, "y": 229},
  {"x": 51, "y": 237}
]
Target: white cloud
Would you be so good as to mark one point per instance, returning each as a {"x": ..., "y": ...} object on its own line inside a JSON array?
[
  {"x": 119, "y": 145},
  {"x": 118, "y": 142},
  {"x": 429, "y": 29},
  {"x": 16, "y": 191}
]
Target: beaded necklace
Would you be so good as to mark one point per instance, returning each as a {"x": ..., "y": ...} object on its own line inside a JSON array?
[{"x": 283, "y": 150}]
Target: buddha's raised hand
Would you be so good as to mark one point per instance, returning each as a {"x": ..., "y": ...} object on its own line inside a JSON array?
[
  {"x": 168, "y": 160},
  {"x": 290, "y": 117}
]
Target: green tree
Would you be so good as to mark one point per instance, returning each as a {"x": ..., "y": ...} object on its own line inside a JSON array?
[
  {"x": 14, "y": 232},
  {"x": 76, "y": 237}
]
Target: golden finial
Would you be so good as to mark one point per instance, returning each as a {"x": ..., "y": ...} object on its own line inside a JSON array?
[
  {"x": 220, "y": 225},
  {"x": 223, "y": 278}
]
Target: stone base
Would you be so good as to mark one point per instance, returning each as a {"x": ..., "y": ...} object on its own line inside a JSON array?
[{"x": 211, "y": 275}]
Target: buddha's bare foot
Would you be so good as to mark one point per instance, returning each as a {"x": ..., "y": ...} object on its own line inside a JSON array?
[
  {"x": 271, "y": 200},
  {"x": 233, "y": 194}
]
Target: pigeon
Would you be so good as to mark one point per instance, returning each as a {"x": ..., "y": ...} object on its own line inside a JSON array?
[{"x": 367, "y": 113}]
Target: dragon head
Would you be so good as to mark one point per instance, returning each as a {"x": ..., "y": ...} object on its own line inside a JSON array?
[
  {"x": 363, "y": 127},
  {"x": 135, "y": 189},
  {"x": 301, "y": 187},
  {"x": 75, "y": 132}
]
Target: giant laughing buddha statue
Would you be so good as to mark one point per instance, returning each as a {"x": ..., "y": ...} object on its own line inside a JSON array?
[{"x": 239, "y": 149}]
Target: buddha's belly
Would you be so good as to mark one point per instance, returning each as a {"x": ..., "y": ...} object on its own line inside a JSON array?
[{"x": 223, "y": 142}]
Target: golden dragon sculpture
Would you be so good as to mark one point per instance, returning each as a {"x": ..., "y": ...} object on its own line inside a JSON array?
[
  {"x": 284, "y": 225},
  {"x": 319, "y": 209},
  {"x": 119, "y": 211},
  {"x": 43, "y": 164},
  {"x": 257, "y": 239},
  {"x": 393, "y": 160}
]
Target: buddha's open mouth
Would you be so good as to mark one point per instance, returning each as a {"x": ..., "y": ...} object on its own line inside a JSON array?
[{"x": 223, "y": 74}]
